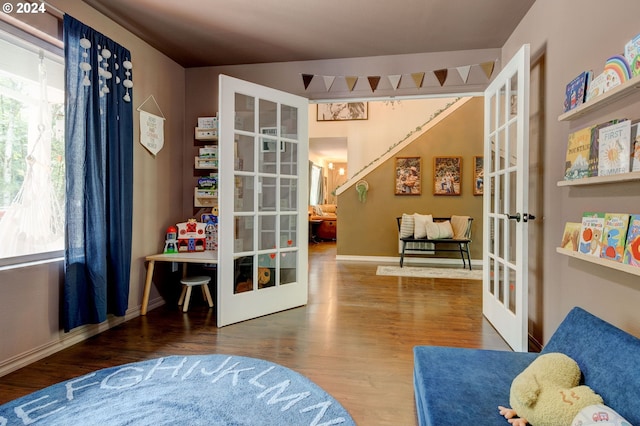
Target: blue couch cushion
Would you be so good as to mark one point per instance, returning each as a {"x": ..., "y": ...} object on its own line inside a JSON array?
[
  {"x": 456, "y": 386},
  {"x": 609, "y": 359}
]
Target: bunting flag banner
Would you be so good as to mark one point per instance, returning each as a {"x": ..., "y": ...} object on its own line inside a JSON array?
[
  {"x": 394, "y": 80},
  {"x": 487, "y": 67},
  {"x": 306, "y": 79},
  {"x": 464, "y": 72},
  {"x": 373, "y": 82},
  {"x": 351, "y": 82},
  {"x": 418, "y": 78},
  {"x": 328, "y": 81},
  {"x": 441, "y": 75}
]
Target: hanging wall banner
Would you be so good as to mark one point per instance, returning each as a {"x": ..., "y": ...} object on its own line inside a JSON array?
[{"x": 151, "y": 132}]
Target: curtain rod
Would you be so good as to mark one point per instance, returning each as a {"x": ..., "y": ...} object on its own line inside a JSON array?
[{"x": 59, "y": 13}]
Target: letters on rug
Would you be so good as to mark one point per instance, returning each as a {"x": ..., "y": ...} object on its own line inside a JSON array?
[
  {"x": 189, "y": 390},
  {"x": 425, "y": 272}
]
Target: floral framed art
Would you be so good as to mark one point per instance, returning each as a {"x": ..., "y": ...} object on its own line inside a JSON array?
[
  {"x": 343, "y": 111},
  {"x": 478, "y": 175},
  {"x": 447, "y": 173},
  {"x": 408, "y": 176}
]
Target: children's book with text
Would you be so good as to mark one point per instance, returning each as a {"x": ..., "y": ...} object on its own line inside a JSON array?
[
  {"x": 591, "y": 233},
  {"x": 632, "y": 245},
  {"x": 614, "y": 236}
]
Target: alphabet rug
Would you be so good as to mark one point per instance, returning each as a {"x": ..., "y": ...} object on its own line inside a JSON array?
[{"x": 186, "y": 390}]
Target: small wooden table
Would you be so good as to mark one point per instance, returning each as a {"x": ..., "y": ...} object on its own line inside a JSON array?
[{"x": 184, "y": 258}]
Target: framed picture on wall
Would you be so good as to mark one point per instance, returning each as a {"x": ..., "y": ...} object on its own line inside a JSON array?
[
  {"x": 447, "y": 175},
  {"x": 408, "y": 176},
  {"x": 343, "y": 111},
  {"x": 478, "y": 175}
]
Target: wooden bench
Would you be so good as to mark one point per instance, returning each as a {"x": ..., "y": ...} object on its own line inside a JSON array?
[{"x": 462, "y": 243}]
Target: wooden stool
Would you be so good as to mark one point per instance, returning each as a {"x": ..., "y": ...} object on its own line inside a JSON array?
[{"x": 188, "y": 283}]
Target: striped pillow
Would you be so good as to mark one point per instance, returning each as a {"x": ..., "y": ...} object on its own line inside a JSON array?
[{"x": 406, "y": 225}]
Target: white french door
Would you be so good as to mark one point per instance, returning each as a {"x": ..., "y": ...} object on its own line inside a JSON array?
[
  {"x": 506, "y": 148},
  {"x": 263, "y": 223}
]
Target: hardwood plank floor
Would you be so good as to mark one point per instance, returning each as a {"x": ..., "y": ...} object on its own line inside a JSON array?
[{"x": 354, "y": 338}]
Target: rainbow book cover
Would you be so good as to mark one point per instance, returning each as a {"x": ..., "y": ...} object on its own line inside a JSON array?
[
  {"x": 617, "y": 71},
  {"x": 632, "y": 245},
  {"x": 614, "y": 236}
]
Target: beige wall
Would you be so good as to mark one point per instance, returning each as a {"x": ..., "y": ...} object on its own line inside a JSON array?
[
  {"x": 369, "y": 228},
  {"x": 571, "y": 36},
  {"x": 30, "y": 297}
]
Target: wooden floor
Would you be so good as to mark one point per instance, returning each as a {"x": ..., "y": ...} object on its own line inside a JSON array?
[{"x": 354, "y": 338}]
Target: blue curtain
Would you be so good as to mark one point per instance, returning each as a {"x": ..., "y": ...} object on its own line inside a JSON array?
[{"x": 99, "y": 175}]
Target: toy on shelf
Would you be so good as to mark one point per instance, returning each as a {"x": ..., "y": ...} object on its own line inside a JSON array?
[
  {"x": 191, "y": 236},
  {"x": 171, "y": 241}
]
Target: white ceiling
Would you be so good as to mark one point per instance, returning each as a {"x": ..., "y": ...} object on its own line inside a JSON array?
[{"x": 215, "y": 32}]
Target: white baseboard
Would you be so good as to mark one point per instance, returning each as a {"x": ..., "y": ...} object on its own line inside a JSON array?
[
  {"x": 66, "y": 340},
  {"x": 409, "y": 260}
]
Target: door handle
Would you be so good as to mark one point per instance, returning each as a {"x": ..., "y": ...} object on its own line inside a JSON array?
[
  {"x": 527, "y": 217},
  {"x": 515, "y": 217}
]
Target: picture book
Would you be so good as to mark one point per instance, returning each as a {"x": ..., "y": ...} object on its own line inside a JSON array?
[
  {"x": 591, "y": 233},
  {"x": 635, "y": 150},
  {"x": 576, "y": 90},
  {"x": 632, "y": 245},
  {"x": 614, "y": 149},
  {"x": 614, "y": 235},
  {"x": 617, "y": 71},
  {"x": 597, "y": 86},
  {"x": 594, "y": 151},
  {"x": 570, "y": 236},
  {"x": 577, "y": 160},
  {"x": 632, "y": 54}
]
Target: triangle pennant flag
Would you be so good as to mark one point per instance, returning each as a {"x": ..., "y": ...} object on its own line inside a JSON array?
[
  {"x": 351, "y": 82},
  {"x": 395, "y": 80},
  {"x": 464, "y": 72},
  {"x": 328, "y": 81},
  {"x": 487, "y": 67},
  {"x": 373, "y": 82},
  {"x": 418, "y": 78},
  {"x": 441, "y": 75},
  {"x": 306, "y": 80}
]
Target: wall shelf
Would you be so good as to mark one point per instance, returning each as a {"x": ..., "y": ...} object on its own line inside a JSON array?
[
  {"x": 633, "y": 270},
  {"x": 625, "y": 89},
  {"x": 599, "y": 180}
]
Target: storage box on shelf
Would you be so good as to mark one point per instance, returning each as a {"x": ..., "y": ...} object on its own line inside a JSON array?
[{"x": 616, "y": 94}]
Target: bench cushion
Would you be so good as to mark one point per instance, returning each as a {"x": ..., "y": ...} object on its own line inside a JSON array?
[{"x": 464, "y": 386}]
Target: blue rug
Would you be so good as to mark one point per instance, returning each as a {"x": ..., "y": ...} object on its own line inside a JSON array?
[{"x": 182, "y": 390}]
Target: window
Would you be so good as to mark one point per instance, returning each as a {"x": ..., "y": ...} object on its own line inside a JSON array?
[{"x": 32, "y": 171}]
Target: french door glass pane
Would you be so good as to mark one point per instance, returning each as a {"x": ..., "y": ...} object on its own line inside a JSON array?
[
  {"x": 245, "y": 113},
  {"x": 267, "y": 235},
  {"x": 267, "y": 194},
  {"x": 244, "y": 189},
  {"x": 244, "y": 153},
  {"x": 288, "y": 194},
  {"x": 243, "y": 234}
]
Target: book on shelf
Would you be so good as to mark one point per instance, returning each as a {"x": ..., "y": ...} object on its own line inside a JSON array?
[
  {"x": 571, "y": 235},
  {"x": 614, "y": 149},
  {"x": 591, "y": 233},
  {"x": 597, "y": 86},
  {"x": 632, "y": 55},
  {"x": 635, "y": 150},
  {"x": 614, "y": 236},
  {"x": 578, "y": 151},
  {"x": 576, "y": 90},
  {"x": 617, "y": 71},
  {"x": 595, "y": 145},
  {"x": 632, "y": 244}
]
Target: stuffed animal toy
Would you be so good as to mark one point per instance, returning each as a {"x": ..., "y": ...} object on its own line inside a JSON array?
[
  {"x": 546, "y": 393},
  {"x": 264, "y": 276}
]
